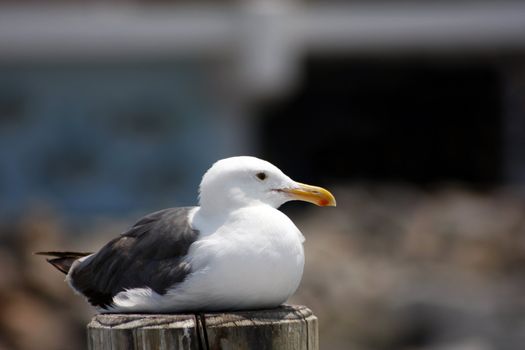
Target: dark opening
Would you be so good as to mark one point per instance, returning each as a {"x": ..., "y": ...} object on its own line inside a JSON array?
[{"x": 389, "y": 120}]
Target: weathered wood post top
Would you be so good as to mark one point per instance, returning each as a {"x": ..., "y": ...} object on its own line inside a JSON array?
[{"x": 286, "y": 327}]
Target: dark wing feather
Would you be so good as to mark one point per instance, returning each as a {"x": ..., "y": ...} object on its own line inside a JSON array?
[
  {"x": 63, "y": 261},
  {"x": 150, "y": 254}
]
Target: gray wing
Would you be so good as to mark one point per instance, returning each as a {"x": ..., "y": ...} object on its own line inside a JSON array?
[{"x": 150, "y": 254}]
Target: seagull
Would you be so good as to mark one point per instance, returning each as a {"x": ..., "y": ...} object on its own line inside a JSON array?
[{"x": 234, "y": 251}]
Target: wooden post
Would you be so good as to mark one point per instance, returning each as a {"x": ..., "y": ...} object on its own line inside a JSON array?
[{"x": 287, "y": 327}]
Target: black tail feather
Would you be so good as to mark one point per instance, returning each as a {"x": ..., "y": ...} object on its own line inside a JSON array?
[{"x": 62, "y": 261}]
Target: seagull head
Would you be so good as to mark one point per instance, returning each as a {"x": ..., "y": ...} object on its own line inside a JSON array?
[{"x": 243, "y": 181}]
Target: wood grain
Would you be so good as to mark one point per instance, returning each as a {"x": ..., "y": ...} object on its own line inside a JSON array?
[{"x": 286, "y": 327}]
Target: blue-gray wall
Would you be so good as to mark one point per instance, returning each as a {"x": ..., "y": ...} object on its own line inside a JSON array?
[{"x": 106, "y": 139}]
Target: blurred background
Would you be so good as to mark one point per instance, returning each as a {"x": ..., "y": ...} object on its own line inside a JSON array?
[{"x": 411, "y": 112}]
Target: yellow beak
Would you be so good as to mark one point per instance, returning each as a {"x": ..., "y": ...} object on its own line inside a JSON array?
[{"x": 313, "y": 194}]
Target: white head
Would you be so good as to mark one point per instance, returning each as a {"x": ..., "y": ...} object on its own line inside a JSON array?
[{"x": 242, "y": 181}]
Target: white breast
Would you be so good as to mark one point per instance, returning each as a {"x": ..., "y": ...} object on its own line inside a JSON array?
[{"x": 254, "y": 260}]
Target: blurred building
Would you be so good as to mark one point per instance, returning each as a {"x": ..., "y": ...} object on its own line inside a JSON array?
[
  {"x": 110, "y": 108},
  {"x": 116, "y": 107}
]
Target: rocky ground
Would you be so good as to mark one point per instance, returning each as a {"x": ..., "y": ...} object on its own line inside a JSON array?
[{"x": 391, "y": 267}]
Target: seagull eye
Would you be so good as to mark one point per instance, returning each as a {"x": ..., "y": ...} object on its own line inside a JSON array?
[{"x": 261, "y": 176}]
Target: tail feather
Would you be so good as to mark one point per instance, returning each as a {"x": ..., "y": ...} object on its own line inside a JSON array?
[{"x": 63, "y": 261}]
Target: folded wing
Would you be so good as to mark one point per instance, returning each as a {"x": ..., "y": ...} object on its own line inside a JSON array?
[{"x": 151, "y": 254}]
